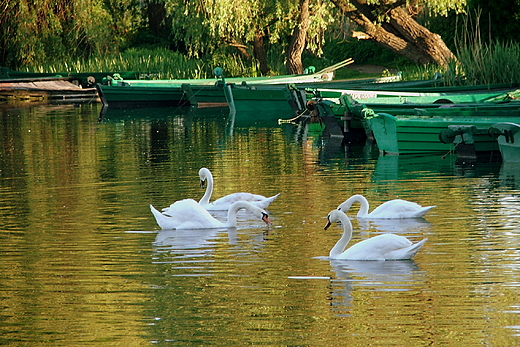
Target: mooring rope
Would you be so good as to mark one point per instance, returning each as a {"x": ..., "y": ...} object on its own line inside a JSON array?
[{"x": 285, "y": 121}]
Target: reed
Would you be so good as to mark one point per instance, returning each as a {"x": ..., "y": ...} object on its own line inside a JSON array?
[
  {"x": 478, "y": 63},
  {"x": 159, "y": 63},
  {"x": 419, "y": 72},
  {"x": 490, "y": 63},
  {"x": 484, "y": 61},
  {"x": 162, "y": 63}
]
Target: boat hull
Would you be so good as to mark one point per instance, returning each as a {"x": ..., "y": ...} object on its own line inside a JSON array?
[
  {"x": 508, "y": 138},
  {"x": 418, "y": 134},
  {"x": 120, "y": 96},
  {"x": 267, "y": 98}
]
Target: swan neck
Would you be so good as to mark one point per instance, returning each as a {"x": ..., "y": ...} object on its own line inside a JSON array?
[
  {"x": 232, "y": 213},
  {"x": 364, "y": 206},
  {"x": 209, "y": 188},
  {"x": 347, "y": 204},
  {"x": 339, "y": 247}
]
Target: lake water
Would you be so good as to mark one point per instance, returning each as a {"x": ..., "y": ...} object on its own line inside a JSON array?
[{"x": 83, "y": 262}]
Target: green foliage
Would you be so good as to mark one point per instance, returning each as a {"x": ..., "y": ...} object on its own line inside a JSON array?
[
  {"x": 443, "y": 7},
  {"x": 87, "y": 36},
  {"x": 481, "y": 61},
  {"x": 276, "y": 59},
  {"x": 478, "y": 63},
  {"x": 41, "y": 31},
  {"x": 498, "y": 20},
  {"x": 362, "y": 51},
  {"x": 36, "y": 34},
  {"x": 422, "y": 72},
  {"x": 206, "y": 26},
  {"x": 323, "y": 16},
  {"x": 146, "y": 39},
  {"x": 92, "y": 26}
]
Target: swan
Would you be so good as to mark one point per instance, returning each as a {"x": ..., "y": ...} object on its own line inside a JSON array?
[
  {"x": 381, "y": 247},
  {"x": 188, "y": 214},
  {"x": 392, "y": 209},
  {"x": 225, "y": 202}
]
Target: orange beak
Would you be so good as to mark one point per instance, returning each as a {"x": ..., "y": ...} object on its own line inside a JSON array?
[{"x": 328, "y": 224}]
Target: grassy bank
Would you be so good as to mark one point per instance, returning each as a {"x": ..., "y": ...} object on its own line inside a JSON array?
[
  {"x": 477, "y": 63},
  {"x": 164, "y": 64}
]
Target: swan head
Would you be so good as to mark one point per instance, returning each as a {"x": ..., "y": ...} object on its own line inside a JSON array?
[
  {"x": 265, "y": 218},
  {"x": 204, "y": 174},
  {"x": 334, "y": 216},
  {"x": 262, "y": 214},
  {"x": 255, "y": 210}
]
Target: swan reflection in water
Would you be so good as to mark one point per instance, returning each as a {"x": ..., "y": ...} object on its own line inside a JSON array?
[
  {"x": 376, "y": 276},
  {"x": 412, "y": 225},
  {"x": 186, "y": 243},
  {"x": 510, "y": 175},
  {"x": 186, "y": 239}
]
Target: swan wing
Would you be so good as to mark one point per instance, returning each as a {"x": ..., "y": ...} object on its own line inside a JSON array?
[
  {"x": 397, "y": 209},
  {"x": 182, "y": 209},
  {"x": 377, "y": 248},
  {"x": 187, "y": 214},
  {"x": 266, "y": 201},
  {"x": 191, "y": 215},
  {"x": 405, "y": 253},
  {"x": 164, "y": 221}
]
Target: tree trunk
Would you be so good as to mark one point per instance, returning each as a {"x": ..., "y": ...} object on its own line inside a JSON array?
[
  {"x": 156, "y": 16},
  {"x": 299, "y": 38},
  {"x": 259, "y": 52},
  {"x": 401, "y": 33}
]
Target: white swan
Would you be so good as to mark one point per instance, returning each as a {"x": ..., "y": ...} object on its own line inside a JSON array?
[
  {"x": 188, "y": 214},
  {"x": 225, "y": 202},
  {"x": 392, "y": 209},
  {"x": 381, "y": 247}
]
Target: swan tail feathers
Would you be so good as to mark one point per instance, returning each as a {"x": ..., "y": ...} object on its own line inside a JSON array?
[
  {"x": 163, "y": 221},
  {"x": 424, "y": 211},
  {"x": 273, "y": 198},
  {"x": 412, "y": 251},
  {"x": 267, "y": 201},
  {"x": 406, "y": 253}
]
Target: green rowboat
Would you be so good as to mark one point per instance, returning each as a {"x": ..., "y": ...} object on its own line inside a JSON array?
[
  {"x": 508, "y": 138},
  {"x": 467, "y": 134}
]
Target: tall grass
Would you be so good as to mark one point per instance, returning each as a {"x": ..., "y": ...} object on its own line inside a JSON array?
[
  {"x": 490, "y": 63},
  {"x": 451, "y": 74},
  {"x": 485, "y": 62},
  {"x": 478, "y": 63},
  {"x": 160, "y": 63}
]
